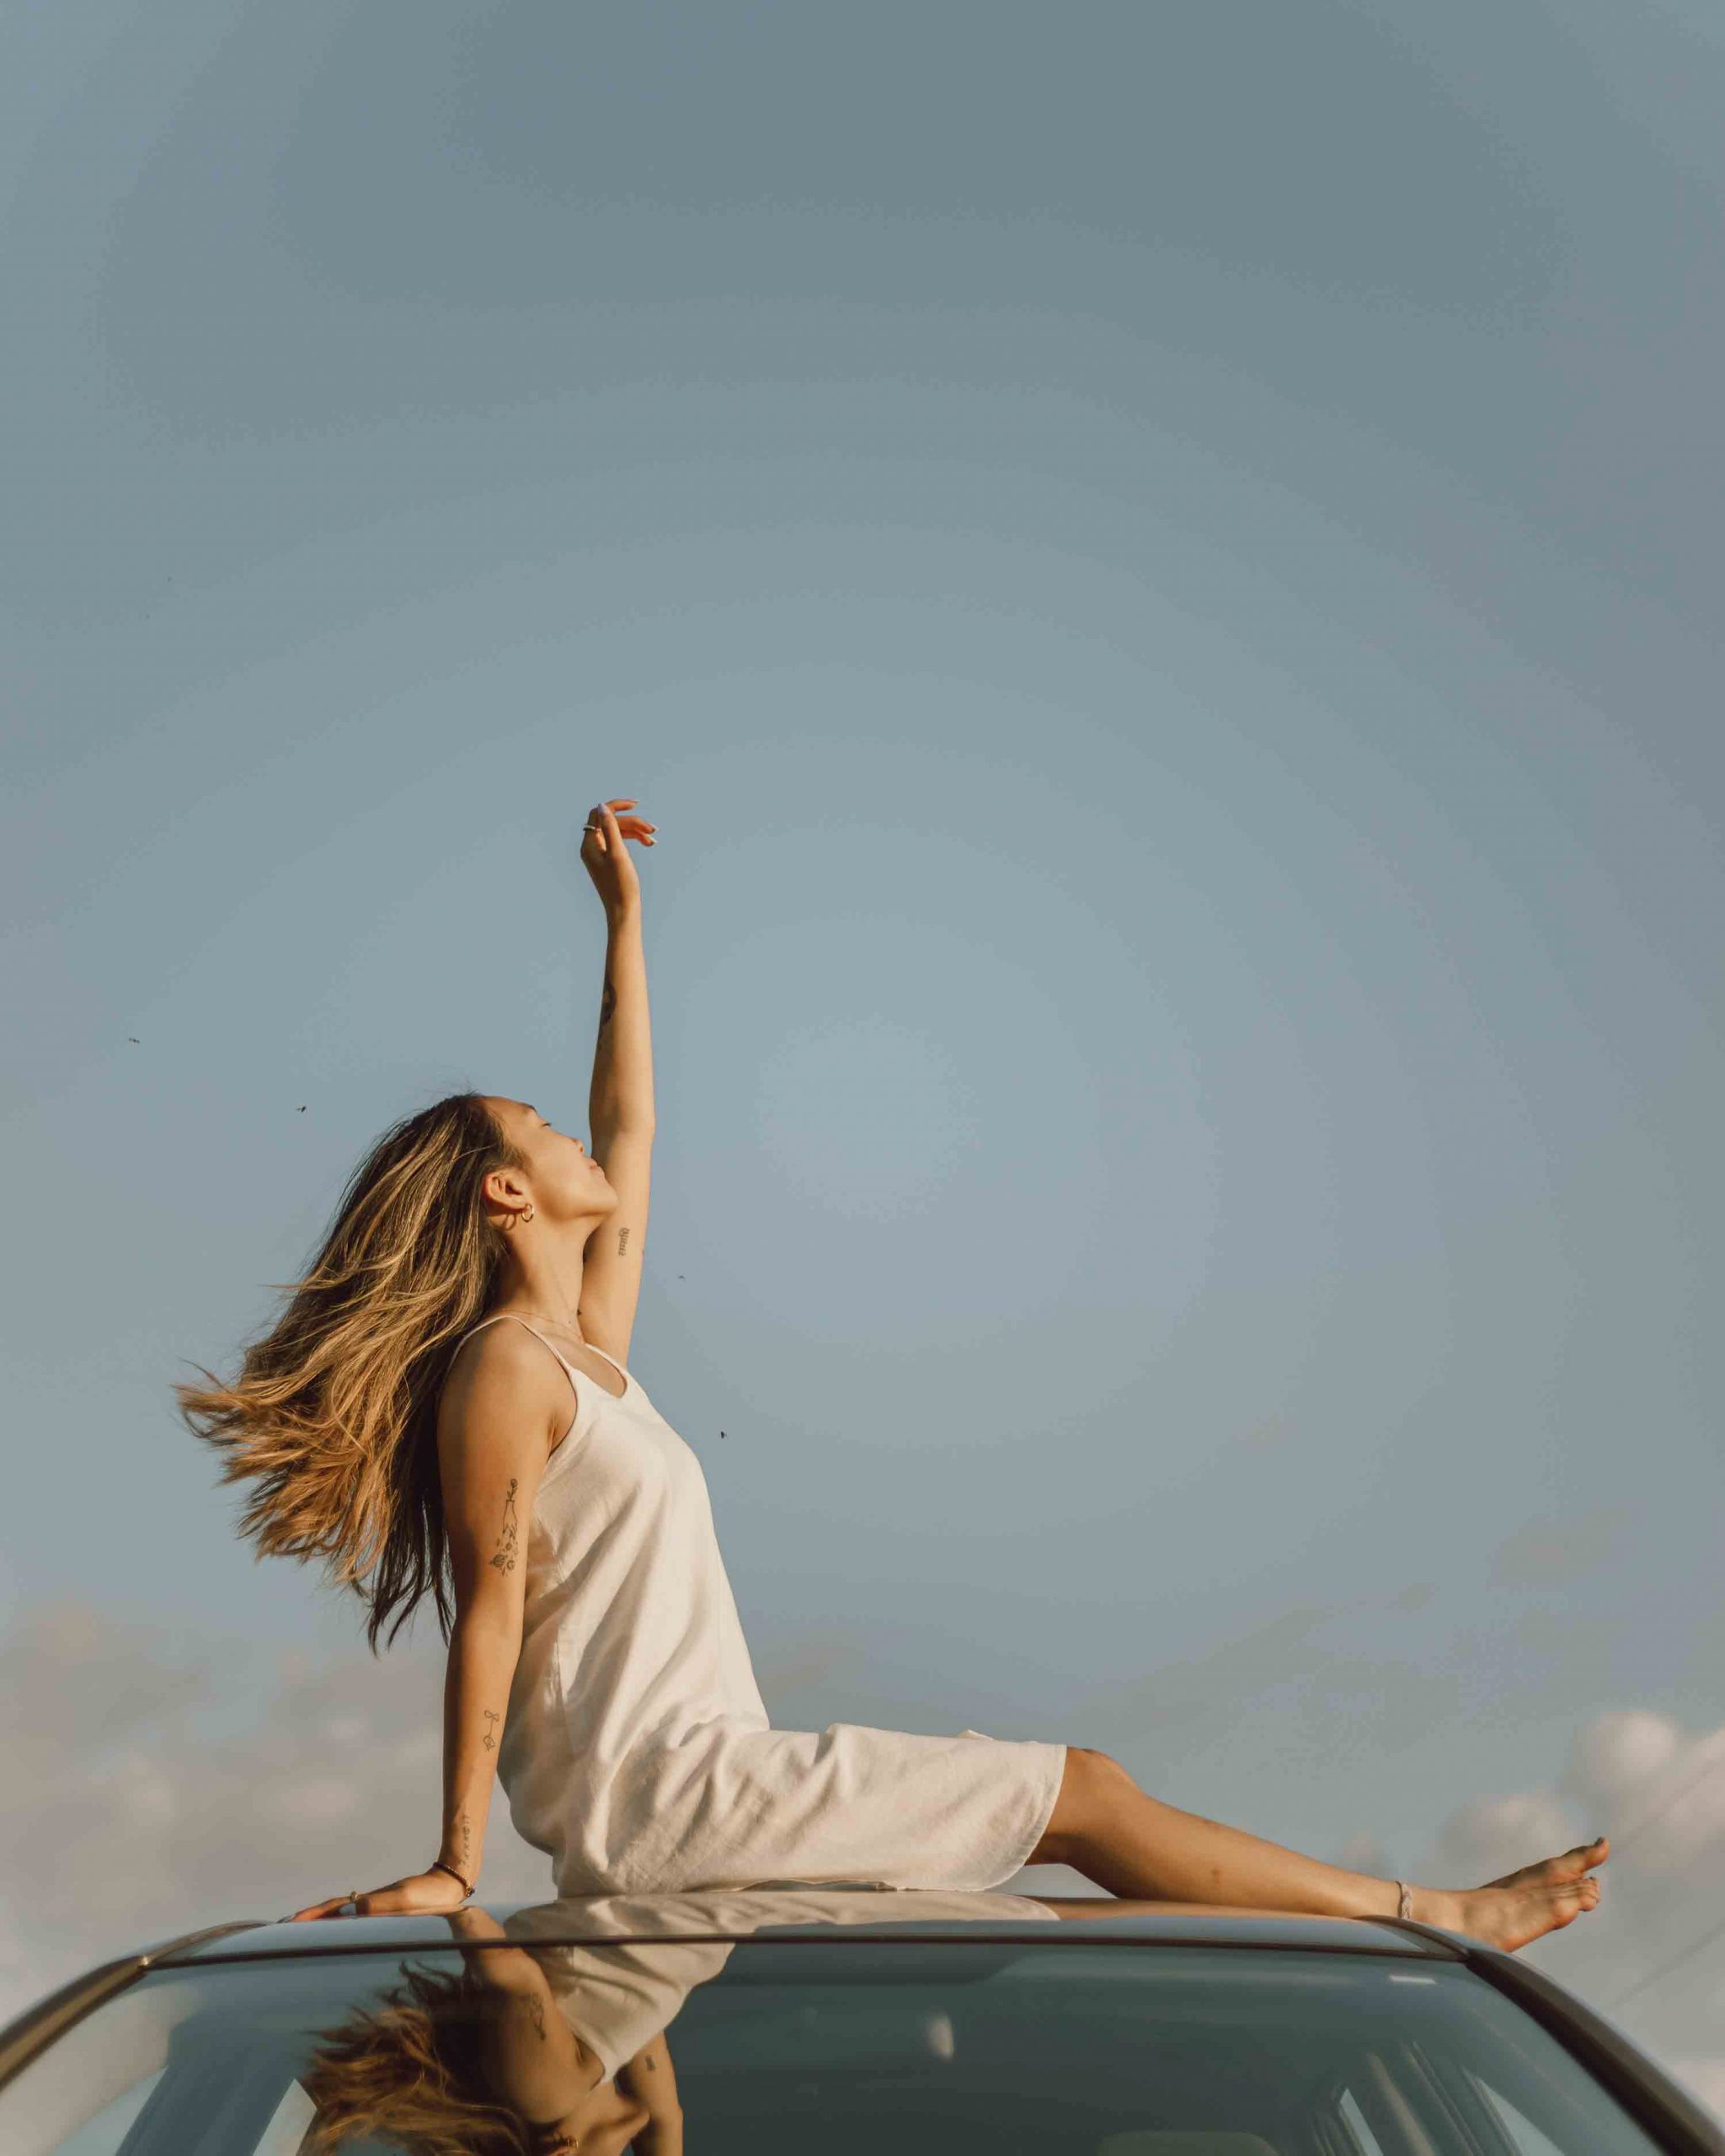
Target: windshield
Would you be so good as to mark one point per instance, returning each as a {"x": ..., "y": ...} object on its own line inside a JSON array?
[{"x": 894, "y": 2047}]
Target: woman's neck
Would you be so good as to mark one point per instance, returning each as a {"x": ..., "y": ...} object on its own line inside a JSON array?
[{"x": 544, "y": 1276}]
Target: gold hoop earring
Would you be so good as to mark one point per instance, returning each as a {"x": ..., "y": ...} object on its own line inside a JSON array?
[{"x": 526, "y": 1213}]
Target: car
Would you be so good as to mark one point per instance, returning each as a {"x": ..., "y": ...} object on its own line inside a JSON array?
[{"x": 833, "y": 2017}]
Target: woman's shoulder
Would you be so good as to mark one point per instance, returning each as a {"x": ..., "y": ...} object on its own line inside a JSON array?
[{"x": 505, "y": 1363}]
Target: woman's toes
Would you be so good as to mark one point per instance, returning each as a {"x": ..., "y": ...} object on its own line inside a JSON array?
[
  {"x": 1551, "y": 1869},
  {"x": 1576, "y": 1898},
  {"x": 1554, "y": 1907},
  {"x": 1510, "y": 1916}
]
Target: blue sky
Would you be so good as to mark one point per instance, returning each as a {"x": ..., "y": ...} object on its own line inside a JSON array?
[{"x": 1157, "y": 572}]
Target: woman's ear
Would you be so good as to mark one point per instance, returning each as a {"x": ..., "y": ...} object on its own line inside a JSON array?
[{"x": 503, "y": 1188}]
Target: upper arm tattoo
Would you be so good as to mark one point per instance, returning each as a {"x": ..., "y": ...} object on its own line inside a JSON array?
[{"x": 503, "y": 1556}]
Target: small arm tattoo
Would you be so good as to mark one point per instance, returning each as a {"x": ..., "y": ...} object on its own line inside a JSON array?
[
  {"x": 504, "y": 1556},
  {"x": 607, "y": 1004},
  {"x": 623, "y": 1240},
  {"x": 535, "y": 2007},
  {"x": 490, "y": 1738}
]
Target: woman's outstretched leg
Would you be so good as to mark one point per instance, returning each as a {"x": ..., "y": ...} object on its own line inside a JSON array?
[{"x": 1113, "y": 1831}]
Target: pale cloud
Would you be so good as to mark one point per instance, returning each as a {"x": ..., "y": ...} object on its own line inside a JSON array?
[
  {"x": 1649, "y": 1957},
  {"x": 1549, "y": 1553},
  {"x": 138, "y": 1803},
  {"x": 1363, "y": 1852},
  {"x": 1494, "y": 1834}
]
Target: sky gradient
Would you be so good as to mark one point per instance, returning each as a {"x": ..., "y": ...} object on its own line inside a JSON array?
[{"x": 1157, "y": 571}]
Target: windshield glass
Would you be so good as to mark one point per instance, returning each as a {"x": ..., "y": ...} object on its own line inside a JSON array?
[{"x": 756, "y": 2047}]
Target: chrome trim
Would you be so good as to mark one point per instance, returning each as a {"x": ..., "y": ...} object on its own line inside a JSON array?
[{"x": 49, "y": 2019}]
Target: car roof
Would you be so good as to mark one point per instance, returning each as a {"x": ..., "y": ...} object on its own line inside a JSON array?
[{"x": 575, "y": 1920}]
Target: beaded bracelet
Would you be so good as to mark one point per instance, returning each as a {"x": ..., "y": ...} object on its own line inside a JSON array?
[{"x": 438, "y": 1864}]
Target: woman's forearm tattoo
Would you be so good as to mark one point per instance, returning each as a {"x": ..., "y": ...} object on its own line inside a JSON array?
[
  {"x": 504, "y": 1556},
  {"x": 490, "y": 1738},
  {"x": 607, "y": 1004},
  {"x": 623, "y": 1240}
]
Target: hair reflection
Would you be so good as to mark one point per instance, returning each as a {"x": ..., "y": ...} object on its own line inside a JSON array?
[{"x": 544, "y": 2049}]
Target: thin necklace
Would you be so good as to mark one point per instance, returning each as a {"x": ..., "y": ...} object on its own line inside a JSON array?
[{"x": 568, "y": 1324}]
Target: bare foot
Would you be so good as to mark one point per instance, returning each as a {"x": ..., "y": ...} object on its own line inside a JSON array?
[
  {"x": 1523, "y": 1905},
  {"x": 1553, "y": 1869}
]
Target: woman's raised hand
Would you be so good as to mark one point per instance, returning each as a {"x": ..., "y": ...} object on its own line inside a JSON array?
[
  {"x": 420, "y": 1894},
  {"x": 606, "y": 858}
]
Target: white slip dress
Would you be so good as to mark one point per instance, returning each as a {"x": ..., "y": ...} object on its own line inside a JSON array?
[{"x": 636, "y": 1749}]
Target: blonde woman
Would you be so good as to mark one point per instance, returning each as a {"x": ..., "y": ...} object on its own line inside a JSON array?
[{"x": 446, "y": 1407}]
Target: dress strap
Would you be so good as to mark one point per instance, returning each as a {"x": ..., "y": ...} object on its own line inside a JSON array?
[
  {"x": 568, "y": 1371},
  {"x": 533, "y": 1329},
  {"x": 573, "y": 1373}
]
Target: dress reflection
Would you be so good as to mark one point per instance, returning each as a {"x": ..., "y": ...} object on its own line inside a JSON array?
[{"x": 541, "y": 2048}]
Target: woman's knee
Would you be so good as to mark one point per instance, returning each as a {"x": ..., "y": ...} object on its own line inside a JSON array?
[{"x": 1092, "y": 1779}]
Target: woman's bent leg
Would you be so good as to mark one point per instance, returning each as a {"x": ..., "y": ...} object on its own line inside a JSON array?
[{"x": 1113, "y": 1831}]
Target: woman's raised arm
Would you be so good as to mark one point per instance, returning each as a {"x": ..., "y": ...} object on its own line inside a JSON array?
[{"x": 620, "y": 1110}]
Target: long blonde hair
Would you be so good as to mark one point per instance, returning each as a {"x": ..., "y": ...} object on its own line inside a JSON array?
[{"x": 334, "y": 1411}]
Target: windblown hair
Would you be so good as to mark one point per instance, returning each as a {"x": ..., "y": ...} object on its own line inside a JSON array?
[
  {"x": 334, "y": 1411},
  {"x": 409, "y": 2073}
]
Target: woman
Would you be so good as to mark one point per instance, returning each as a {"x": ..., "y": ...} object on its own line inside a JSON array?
[{"x": 409, "y": 1416}]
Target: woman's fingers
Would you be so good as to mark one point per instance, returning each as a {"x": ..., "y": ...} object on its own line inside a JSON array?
[
  {"x": 604, "y": 820},
  {"x": 323, "y": 1909}
]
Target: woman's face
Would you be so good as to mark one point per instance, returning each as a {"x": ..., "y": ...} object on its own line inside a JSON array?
[{"x": 563, "y": 1178}]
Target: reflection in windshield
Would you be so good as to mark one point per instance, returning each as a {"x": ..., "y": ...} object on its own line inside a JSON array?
[
  {"x": 559, "y": 2049},
  {"x": 780, "y": 2020}
]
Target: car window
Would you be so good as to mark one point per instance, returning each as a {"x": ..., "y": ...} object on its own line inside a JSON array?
[{"x": 912, "y": 2047}]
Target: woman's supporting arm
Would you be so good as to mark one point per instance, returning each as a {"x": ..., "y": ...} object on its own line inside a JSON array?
[
  {"x": 498, "y": 1420},
  {"x": 483, "y": 1650}
]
